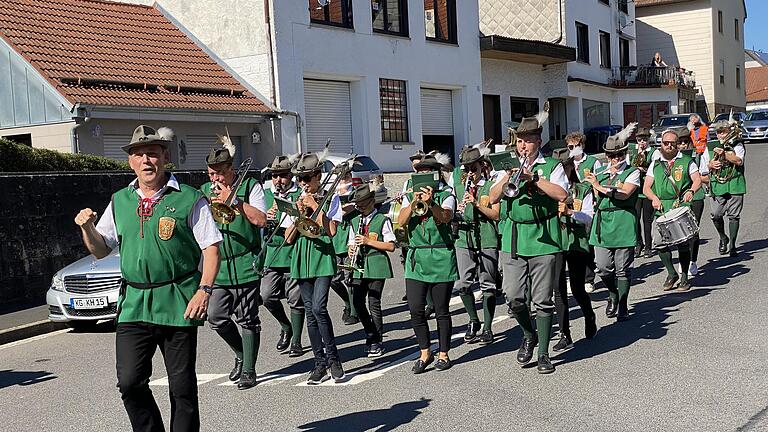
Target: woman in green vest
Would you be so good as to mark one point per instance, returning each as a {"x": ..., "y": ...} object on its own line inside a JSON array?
[
  {"x": 576, "y": 214},
  {"x": 430, "y": 264},
  {"x": 369, "y": 240},
  {"x": 313, "y": 263},
  {"x": 613, "y": 231},
  {"x": 237, "y": 283},
  {"x": 640, "y": 156},
  {"x": 531, "y": 243},
  {"x": 276, "y": 281},
  {"x": 672, "y": 181},
  {"x": 163, "y": 229},
  {"x": 685, "y": 145},
  {"x": 728, "y": 185},
  {"x": 477, "y": 244}
]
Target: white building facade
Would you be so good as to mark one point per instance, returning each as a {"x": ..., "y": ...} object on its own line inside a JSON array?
[{"x": 383, "y": 78}]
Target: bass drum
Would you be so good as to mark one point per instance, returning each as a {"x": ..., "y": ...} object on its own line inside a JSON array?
[{"x": 675, "y": 227}]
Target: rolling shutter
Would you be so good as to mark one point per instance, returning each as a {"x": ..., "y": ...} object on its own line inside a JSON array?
[
  {"x": 113, "y": 144},
  {"x": 436, "y": 112},
  {"x": 199, "y": 146},
  {"x": 328, "y": 114}
]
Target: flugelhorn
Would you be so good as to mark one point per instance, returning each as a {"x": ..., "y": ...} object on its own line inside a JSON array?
[{"x": 223, "y": 212}]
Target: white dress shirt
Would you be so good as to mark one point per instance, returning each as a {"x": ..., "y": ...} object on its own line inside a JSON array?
[
  {"x": 691, "y": 169},
  {"x": 387, "y": 233}
]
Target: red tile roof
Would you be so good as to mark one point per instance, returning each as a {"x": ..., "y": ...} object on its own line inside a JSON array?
[
  {"x": 757, "y": 83},
  {"x": 104, "y": 53}
]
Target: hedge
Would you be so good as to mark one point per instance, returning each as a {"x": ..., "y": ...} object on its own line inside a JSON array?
[{"x": 21, "y": 158}]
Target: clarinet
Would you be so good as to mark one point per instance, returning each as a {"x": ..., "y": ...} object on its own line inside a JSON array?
[{"x": 353, "y": 260}]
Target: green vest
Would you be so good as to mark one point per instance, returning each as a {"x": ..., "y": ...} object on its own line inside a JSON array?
[
  {"x": 342, "y": 233},
  {"x": 700, "y": 194},
  {"x": 474, "y": 227},
  {"x": 241, "y": 245},
  {"x": 376, "y": 262},
  {"x": 313, "y": 257},
  {"x": 431, "y": 254},
  {"x": 532, "y": 219},
  {"x": 576, "y": 237},
  {"x": 664, "y": 188},
  {"x": 587, "y": 164},
  {"x": 615, "y": 219},
  {"x": 278, "y": 259},
  {"x": 154, "y": 259},
  {"x": 737, "y": 185}
]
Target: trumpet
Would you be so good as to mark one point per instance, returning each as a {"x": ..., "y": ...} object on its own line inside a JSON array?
[
  {"x": 512, "y": 188},
  {"x": 223, "y": 213}
]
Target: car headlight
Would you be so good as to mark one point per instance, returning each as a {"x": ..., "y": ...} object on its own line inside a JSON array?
[{"x": 57, "y": 283}]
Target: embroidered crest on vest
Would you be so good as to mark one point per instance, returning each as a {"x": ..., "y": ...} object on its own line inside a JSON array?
[{"x": 165, "y": 227}]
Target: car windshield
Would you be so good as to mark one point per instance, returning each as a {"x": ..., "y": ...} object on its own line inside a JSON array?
[
  {"x": 759, "y": 115},
  {"x": 673, "y": 121},
  {"x": 365, "y": 164}
]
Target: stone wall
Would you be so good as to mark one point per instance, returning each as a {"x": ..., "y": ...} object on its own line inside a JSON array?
[{"x": 38, "y": 235}]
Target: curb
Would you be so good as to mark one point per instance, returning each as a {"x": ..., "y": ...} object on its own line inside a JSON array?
[{"x": 24, "y": 331}]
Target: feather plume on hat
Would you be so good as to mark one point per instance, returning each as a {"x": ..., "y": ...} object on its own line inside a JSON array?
[
  {"x": 730, "y": 117},
  {"x": 443, "y": 158},
  {"x": 226, "y": 142},
  {"x": 484, "y": 147},
  {"x": 323, "y": 154},
  {"x": 543, "y": 115},
  {"x": 625, "y": 133},
  {"x": 292, "y": 158},
  {"x": 165, "y": 133}
]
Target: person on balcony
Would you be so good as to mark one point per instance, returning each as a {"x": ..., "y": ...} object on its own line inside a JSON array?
[{"x": 657, "y": 61}]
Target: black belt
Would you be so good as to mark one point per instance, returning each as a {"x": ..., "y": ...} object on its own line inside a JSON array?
[
  {"x": 150, "y": 285},
  {"x": 413, "y": 255},
  {"x": 530, "y": 222}
]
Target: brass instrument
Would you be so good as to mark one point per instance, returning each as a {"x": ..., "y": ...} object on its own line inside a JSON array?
[
  {"x": 223, "y": 213},
  {"x": 307, "y": 224},
  {"x": 419, "y": 207},
  {"x": 639, "y": 160},
  {"x": 352, "y": 266},
  {"x": 727, "y": 169},
  {"x": 512, "y": 188}
]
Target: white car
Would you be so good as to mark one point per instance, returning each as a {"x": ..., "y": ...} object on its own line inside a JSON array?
[{"x": 85, "y": 291}]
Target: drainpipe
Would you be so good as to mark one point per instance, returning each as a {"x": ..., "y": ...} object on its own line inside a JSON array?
[
  {"x": 270, "y": 53},
  {"x": 560, "y": 21},
  {"x": 297, "y": 118},
  {"x": 79, "y": 119}
]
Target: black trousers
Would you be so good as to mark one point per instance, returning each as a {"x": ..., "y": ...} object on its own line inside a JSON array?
[
  {"x": 645, "y": 214},
  {"x": 577, "y": 264},
  {"x": 135, "y": 345},
  {"x": 698, "y": 209},
  {"x": 417, "y": 301},
  {"x": 370, "y": 316},
  {"x": 314, "y": 293}
]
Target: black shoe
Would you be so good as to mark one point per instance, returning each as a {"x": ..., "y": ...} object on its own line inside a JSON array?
[
  {"x": 443, "y": 364},
  {"x": 351, "y": 320},
  {"x": 429, "y": 312},
  {"x": 669, "y": 283},
  {"x": 723, "y": 248},
  {"x": 525, "y": 353},
  {"x": 564, "y": 344},
  {"x": 405, "y": 298},
  {"x": 247, "y": 380},
  {"x": 683, "y": 286},
  {"x": 472, "y": 328},
  {"x": 486, "y": 337},
  {"x": 733, "y": 252},
  {"x": 610, "y": 309},
  {"x": 375, "y": 350},
  {"x": 510, "y": 312},
  {"x": 648, "y": 253},
  {"x": 345, "y": 315},
  {"x": 337, "y": 372},
  {"x": 638, "y": 251},
  {"x": 590, "y": 326},
  {"x": 421, "y": 365},
  {"x": 623, "y": 316},
  {"x": 318, "y": 375},
  {"x": 545, "y": 366},
  {"x": 296, "y": 350},
  {"x": 237, "y": 370},
  {"x": 284, "y": 341}
]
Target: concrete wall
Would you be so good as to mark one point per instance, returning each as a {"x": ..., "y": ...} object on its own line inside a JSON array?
[
  {"x": 730, "y": 50},
  {"x": 56, "y": 136},
  {"x": 522, "y": 19},
  {"x": 38, "y": 235}
]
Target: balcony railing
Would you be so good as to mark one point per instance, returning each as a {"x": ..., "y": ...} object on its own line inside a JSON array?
[{"x": 650, "y": 76}]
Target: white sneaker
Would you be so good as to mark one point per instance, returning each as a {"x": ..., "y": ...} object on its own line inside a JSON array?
[
  {"x": 589, "y": 287},
  {"x": 568, "y": 286},
  {"x": 693, "y": 270},
  {"x": 679, "y": 268}
]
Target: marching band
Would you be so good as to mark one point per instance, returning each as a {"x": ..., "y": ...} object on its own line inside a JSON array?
[{"x": 534, "y": 225}]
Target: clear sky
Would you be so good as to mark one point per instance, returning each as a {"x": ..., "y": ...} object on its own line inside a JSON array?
[{"x": 755, "y": 28}]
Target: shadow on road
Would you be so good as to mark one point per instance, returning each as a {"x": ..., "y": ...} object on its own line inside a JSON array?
[
  {"x": 380, "y": 420},
  {"x": 10, "y": 377}
]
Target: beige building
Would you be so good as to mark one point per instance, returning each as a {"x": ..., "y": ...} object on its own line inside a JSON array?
[{"x": 706, "y": 36}]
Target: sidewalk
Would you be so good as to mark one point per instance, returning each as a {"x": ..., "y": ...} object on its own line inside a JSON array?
[{"x": 26, "y": 323}]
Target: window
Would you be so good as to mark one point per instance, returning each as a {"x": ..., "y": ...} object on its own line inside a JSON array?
[
  {"x": 440, "y": 20},
  {"x": 582, "y": 42},
  {"x": 624, "y": 52},
  {"x": 390, "y": 16},
  {"x": 605, "y": 49},
  {"x": 603, "y": 1},
  {"x": 522, "y": 107},
  {"x": 720, "y": 21},
  {"x": 622, "y": 4},
  {"x": 736, "y": 28},
  {"x": 394, "y": 110},
  {"x": 738, "y": 77},
  {"x": 331, "y": 12},
  {"x": 722, "y": 72}
]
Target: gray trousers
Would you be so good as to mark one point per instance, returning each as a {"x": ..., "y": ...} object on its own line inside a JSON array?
[
  {"x": 541, "y": 272},
  {"x": 276, "y": 284},
  {"x": 614, "y": 262},
  {"x": 473, "y": 264},
  {"x": 241, "y": 301},
  {"x": 727, "y": 205}
]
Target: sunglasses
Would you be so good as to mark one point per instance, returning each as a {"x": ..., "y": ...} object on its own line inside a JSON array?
[
  {"x": 642, "y": 138},
  {"x": 283, "y": 175},
  {"x": 615, "y": 155},
  {"x": 573, "y": 146},
  {"x": 306, "y": 178},
  {"x": 669, "y": 143}
]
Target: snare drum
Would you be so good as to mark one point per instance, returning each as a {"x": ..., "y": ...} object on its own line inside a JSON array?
[{"x": 675, "y": 227}]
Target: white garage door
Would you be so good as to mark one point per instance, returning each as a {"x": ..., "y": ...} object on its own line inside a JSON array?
[
  {"x": 436, "y": 112},
  {"x": 196, "y": 148},
  {"x": 113, "y": 144},
  {"x": 328, "y": 114}
]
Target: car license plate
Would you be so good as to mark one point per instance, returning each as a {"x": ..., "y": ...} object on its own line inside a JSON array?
[{"x": 89, "y": 303}]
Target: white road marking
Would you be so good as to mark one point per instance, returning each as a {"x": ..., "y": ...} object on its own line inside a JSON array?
[
  {"x": 268, "y": 379},
  {"x": 33, "y": 338},
  {"x": 201, "y": 379}
]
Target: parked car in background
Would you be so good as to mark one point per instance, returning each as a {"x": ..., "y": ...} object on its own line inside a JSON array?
[
  {"x": 85, "y": 291},
  {"x": 670, "y": 121},
  {"x": 738, "y": 116},
  {"x": 756, "y": 125},
  {"x": 596, "y": 137}
]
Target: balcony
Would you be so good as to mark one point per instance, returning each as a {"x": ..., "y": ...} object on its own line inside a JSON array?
[{"x": 650, "y": 76}]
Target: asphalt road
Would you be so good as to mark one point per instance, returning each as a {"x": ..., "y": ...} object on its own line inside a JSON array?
[{"x": 692, "y": 361}]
